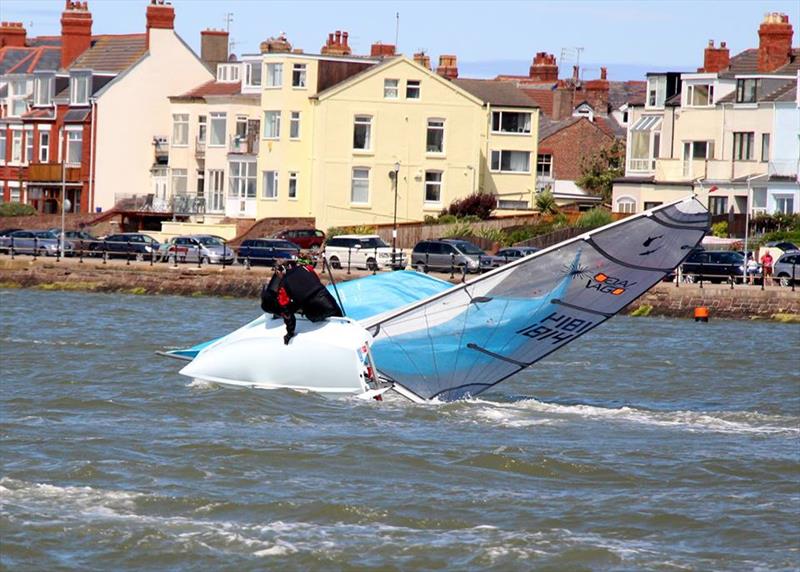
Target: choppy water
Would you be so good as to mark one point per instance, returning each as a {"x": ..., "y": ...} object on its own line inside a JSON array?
[{"x": 650, "y": 444}]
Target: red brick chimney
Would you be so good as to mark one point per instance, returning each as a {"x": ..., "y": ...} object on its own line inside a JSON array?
[
  {"x": 277, "y": 45},
  {"x": 775, "y": 42},
  {"x": 336, "y": 45},
  {"x": 160, "y": 15},
  {"x": 715, "y": 59},
  {"x": 12, "y": 34},
  {"x": 597, "y": 93},
  {"x": 544, "y": 68},
  {"x": 448, "y": 67},
  {"x": 423, "y": 59},
  {"x": 380, "y": 49},
  {"x": 76, "y": 31}
]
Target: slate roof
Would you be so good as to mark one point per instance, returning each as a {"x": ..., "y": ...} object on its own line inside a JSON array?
[
  {"x": 746, "y": 62},
  {"x": 622, "y": 92},
  {"x": 549, "y": 127},
  {"x": 212, "y": 88},
  {"x": 29, "y": 59},
  {"x": 496, "y": 92},
  {"x": 112, "y": 54},
  {"x": 786, "y": 91}
]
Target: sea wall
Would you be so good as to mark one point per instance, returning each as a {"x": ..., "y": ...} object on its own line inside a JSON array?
[{"x": 665, "y": 299}]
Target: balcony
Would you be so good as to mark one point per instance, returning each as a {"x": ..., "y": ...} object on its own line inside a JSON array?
[
  {"x": 199, "y": 148},
  {"x": 243, "y": 145},
  {"x": 785, "y": 169},
  {"x": 180, "y": 204},
  {"x": 52, "y": 173},
  {"x": 641, "y": 166},
  {"x": 161, "y": 150}
]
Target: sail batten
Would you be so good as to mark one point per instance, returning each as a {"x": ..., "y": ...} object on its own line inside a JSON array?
[{"x": 467, "y": 339}]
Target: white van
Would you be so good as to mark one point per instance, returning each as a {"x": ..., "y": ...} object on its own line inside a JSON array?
[{"x": 367, "y": 251}]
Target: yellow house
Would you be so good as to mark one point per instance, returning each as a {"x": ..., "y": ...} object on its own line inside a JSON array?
[{"x": 345, "y": 139}]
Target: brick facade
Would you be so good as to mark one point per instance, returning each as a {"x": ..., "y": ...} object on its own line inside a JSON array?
[{"x": 571, "y": 144}]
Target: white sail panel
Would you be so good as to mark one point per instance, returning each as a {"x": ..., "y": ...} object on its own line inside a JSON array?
[{"x": 469, "y": 338}]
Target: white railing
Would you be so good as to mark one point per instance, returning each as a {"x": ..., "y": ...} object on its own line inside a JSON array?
[{"x": 787, "y": 168}]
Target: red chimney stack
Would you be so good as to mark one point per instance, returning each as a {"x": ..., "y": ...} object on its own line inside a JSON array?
[
  {"x": 448, "y": 67},
  {"x": 12, "y": 34},
  {"x": 381, "y": 50},
  {"x": 715, "y": 59},
  {"x": 76, "y": 31},
  {"x": 160, "y": 15},
  {"x": 423, "y": 59},
  {"x": 336, "y": 44},
  {"x": 775, "y": 42},
  {"x": 544, "y": 68},
  {"x": 597, "y": 93}
]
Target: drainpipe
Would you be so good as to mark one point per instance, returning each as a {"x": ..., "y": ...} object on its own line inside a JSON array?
[{"x": 92, "y": 159}]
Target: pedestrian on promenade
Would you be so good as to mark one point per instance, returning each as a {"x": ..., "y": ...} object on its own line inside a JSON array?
[{"x": 766, "y": 267}]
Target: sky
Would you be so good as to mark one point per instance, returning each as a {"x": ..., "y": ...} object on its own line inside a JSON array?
[{"x": 629, "y": 37}]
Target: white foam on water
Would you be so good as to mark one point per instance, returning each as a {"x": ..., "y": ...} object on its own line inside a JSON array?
[
  {"x": 518, "y": 413},
  {"x": 23, "y": 341}
]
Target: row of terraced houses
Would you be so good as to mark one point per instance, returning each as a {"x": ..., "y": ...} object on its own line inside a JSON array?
[{"x": 142, "y": 126}]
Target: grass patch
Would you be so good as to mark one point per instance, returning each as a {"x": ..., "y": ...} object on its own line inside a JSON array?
[
  {"x": 787, "y": 318},
  {"x": 10, "y": 285},
  {"x": 68, "y": 286},
  {"x": 642, "y": 311},
  {"x": 138, "y": 291}
]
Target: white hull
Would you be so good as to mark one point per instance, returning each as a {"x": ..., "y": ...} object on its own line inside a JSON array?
[{"x": 326, "y": 357}]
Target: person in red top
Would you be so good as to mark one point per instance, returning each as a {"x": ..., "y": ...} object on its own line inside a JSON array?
[{"x": 766, "y": 267}]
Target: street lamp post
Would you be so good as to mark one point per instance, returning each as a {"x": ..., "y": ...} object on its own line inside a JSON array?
[{"x": 395, "y": 174}]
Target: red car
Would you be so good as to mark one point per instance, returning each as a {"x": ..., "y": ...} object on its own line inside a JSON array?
[{"x": 305, "y": 238}]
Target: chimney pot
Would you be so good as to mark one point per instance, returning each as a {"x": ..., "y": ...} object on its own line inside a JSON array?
[
  {"x": 448, "y": 66},
  {"x": 344, "y": 38},
  {"x": 775, "y": 42}
]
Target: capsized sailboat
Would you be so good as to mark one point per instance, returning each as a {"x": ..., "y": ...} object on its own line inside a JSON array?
[{"x": 460, "y": 341}]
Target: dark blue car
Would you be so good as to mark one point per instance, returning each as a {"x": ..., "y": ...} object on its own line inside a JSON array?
[{"x": 269, "y": 251}]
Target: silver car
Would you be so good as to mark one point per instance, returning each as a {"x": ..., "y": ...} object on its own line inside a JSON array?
[
  {"x": 787, "y": 267},
  {"x": 205, "y": 248},
  {"x": 39, "y": 242}
]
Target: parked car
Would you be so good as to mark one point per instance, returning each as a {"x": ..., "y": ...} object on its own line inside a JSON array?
[
  {"x": 782, "y": 245},
  {"x": 713, "y": 266},
  {"x": 362, "y": 251},
  {"x": 446, "y": 253},
  {"x": 787, "y": 267},
  {"x": 123, "y": 244},
  {"x": 203, "y": 248},
  {"x": 7, "y": 231},
  {"x": 80, "y": 239},
  {"x": 305, "y": 238},
  {"x": 516, "y": 252},
  {"x": 269, "y": 251},
  {"x": 40, "y": 242}
]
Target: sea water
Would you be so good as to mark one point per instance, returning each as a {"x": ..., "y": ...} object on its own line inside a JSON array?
[{"x": 648, "y": 444}]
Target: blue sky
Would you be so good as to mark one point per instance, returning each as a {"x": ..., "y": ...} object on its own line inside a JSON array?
[{"x": 629, "y": 37}]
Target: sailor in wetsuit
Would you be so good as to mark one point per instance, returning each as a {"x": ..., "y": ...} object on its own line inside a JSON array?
[{"x": 297, "y": 288}]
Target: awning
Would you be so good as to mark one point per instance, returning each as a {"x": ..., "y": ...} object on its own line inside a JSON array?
[{"x": 647, "y": 123}]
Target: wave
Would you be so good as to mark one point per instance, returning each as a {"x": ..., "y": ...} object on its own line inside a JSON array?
[
  {"x": 528, "y": 412},
  {"x": 68, "y": 343}
]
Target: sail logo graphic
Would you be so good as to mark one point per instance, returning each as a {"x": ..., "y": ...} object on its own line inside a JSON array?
[{"x": 608, "y": 284}]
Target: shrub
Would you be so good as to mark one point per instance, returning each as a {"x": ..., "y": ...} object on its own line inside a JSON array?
[
  {"x": 493, "y": 234},
  {"x": 594, "y": 218},
  {"x": 480, "y": 205},
  {"x": 720, "y": 229},
  {"x": 16, "y": 209},
  {"x": 459, "y": 230},
  {"x": 357, "y": 229},
  {"x": 546, "y": 203}
]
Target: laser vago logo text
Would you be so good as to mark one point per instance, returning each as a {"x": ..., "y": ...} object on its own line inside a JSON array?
[{"x": 608, "y": 284}]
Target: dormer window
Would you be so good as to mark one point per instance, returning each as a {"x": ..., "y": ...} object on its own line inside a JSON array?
[
  {"x": 18, "y": 93},
  {"x": 43, "y": 90},
  {"x": 253, "y": 74},
  {"x": 699, "y": 95},
  {"x": 228, "y": 73},
  {"x": 80, "y": 88},
  {"x": 746, "y": 90},
  {"x": 656, "y": 91}
]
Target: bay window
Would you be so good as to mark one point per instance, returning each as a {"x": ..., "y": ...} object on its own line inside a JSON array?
[
  {"x": 242, "y": 182},
  {"x": 645, "y": 140}
]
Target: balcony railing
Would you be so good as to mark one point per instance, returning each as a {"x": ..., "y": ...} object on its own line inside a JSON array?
[
  {"x": 789, "y": 169},
  {"x": 641, "y": 165},
  {"x": 243, "y": 145},
  {"x": 51, "y": 173},
  {"x": 199, "y": 147},
  {"x": 180, "y": 204},
  {"x": 160, "y": 149}
]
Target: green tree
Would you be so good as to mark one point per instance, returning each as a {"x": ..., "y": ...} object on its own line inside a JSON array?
[{"x": 598, "y": 171}]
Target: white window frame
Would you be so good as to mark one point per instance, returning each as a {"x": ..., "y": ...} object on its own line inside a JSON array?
[
  {"x": 242, "y": 179},
  {"x": 691, "y": 92},
  {"x": 414, "y": 86},
  {"x": 499, "y": 153},
  {"x": 765, "y": 144},
  {"x": 228, "y": 73},
  {"x": 80, "y": 88},
  {"x": 180, "y": 129},
  {"x": 44, "y": 146},
  {"x": 294, "y": 125},
  {"x": 217, "y": 118},
  {"x": 274, "y": 76},
  {"x": 17, "y": 97},
  {"x": 497, "y": 120},
  {"x": 544, "y": 160},
  {"x": 360, "y": 179},
  {"x": 16, "y": 146},
  {"x": 291, "y": 192},
  {"x": 272, "y": 124},
  {"x": 179, "y": 181},
  {"x": 391, "y": 88},
  {"x": 363, "y": 121},
  {"x": 270, "y": 180},
  {"x": 202, "y": 128},
  {"x": 656, "y": 94},
  {"x": 28, "y": 147},
  {"x": 629, "y": 205},
  {"x": 299, "y": 75},
  {"x": 784, "y": 204},
  {"x": 744, "y": 142},
  {"x": 433, "y": 184},
  {"x": 3, "y": 146},
  {"x": 435, "y": 124},
  {"x": 71, "y": 140},
  {"x": 43, "y": 89},
  {"x": 249, "y": 68},
  {"x": 216, "y": 190}
]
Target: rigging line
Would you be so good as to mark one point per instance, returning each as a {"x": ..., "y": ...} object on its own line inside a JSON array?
[
  {"x": 388, "y": 339},
  {"x": 493, "y": 333},
  {"x": 489, "y": 353},
  {"x": 657, "y": 220},
  {"x": 664, "y": 213},
  {"x": 461, "y": 339},
  {"x": 616, "y": 260},
  {"x": 335, "y": 289},
  {"x": 581, "y": 308},
  {"x": 430, "y": 340}
]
